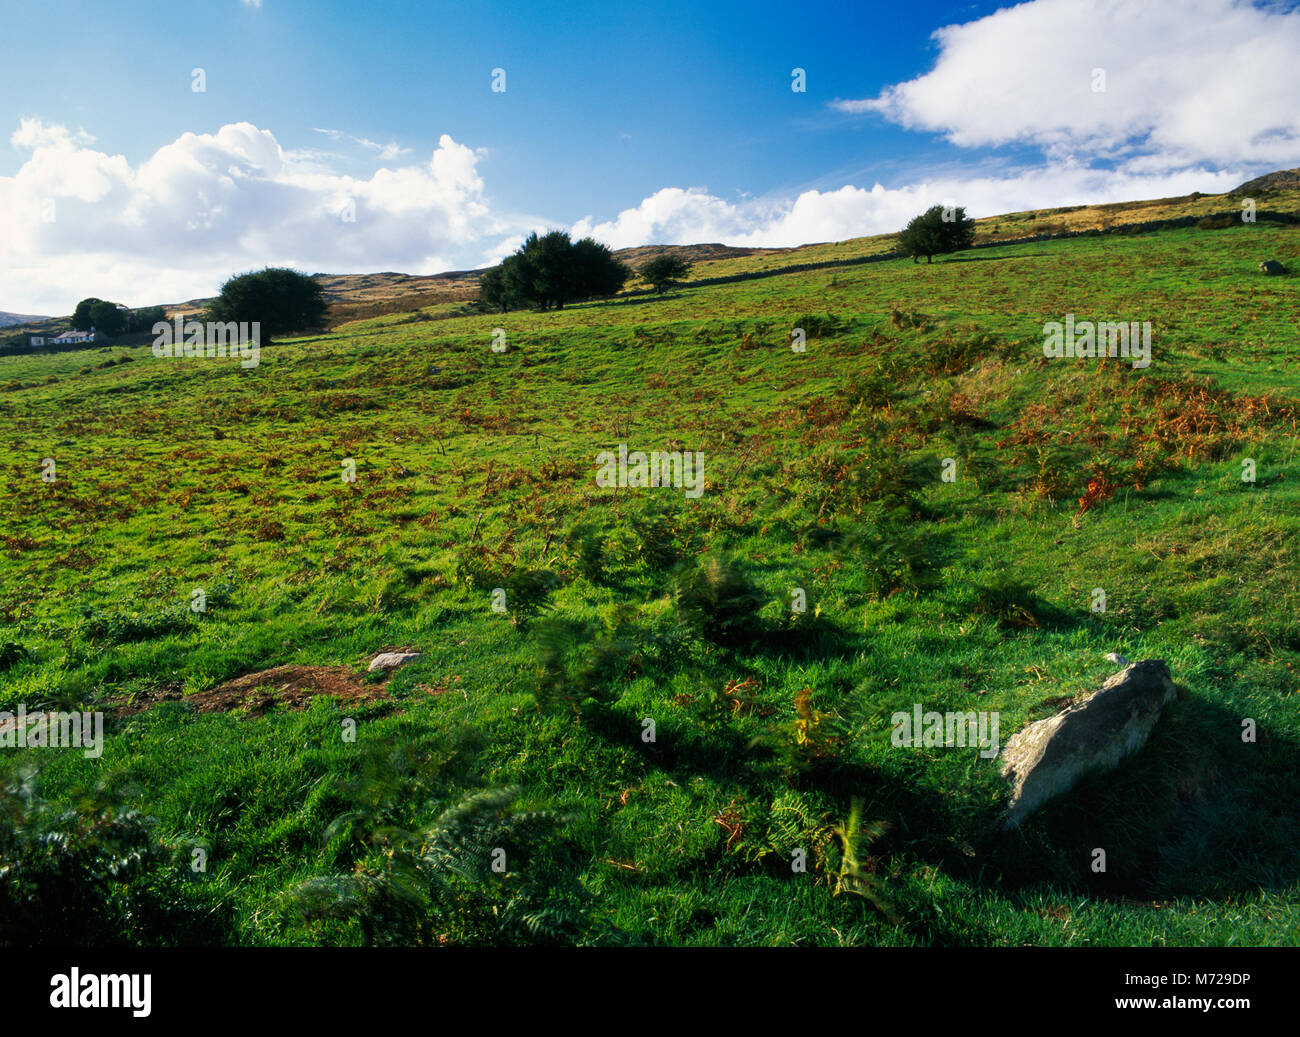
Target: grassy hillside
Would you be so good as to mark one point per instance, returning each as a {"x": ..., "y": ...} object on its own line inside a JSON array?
[{"x": 475, "y": 470}]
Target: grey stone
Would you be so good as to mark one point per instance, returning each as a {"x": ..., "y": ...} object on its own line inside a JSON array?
[
  {"x": 1050, "y": 756},
  {"x": 392, "y": 660}
]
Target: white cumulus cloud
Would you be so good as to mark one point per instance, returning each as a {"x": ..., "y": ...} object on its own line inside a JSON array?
[
  {"x": 1186, "y": 82},
  {"x": 76, "y": 221}
]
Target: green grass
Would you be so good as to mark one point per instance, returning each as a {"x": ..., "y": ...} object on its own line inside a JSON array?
[{"x": 823, "y": 473}]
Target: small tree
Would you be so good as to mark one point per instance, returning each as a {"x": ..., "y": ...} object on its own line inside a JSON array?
[
  {"x": 280, "y": 299},
  {"x": 936, "y": 232},
  {"x": 665, "y": 271}
]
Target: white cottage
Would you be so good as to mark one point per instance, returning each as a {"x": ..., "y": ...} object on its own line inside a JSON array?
[{"x": 69, "y": 338}]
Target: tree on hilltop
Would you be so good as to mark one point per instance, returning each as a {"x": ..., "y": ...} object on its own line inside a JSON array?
[
  {"x": 101, "y": 315},
  {"x": 665, "y": 271},
  {"x": 550, "y": 270},
  {"x": 936, "y": 232},
  {"x": 113, "y": 319},
  {"x": 280, "y": 299},
  {"x": 596, "y": 271},
  {"x": 493, "y": 290}
]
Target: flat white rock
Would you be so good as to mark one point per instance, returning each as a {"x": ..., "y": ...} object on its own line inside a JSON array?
[{"x": 392, "y": 660}]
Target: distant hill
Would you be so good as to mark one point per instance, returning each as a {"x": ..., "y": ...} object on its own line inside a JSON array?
[
  {"x": 1282, "y": 180},
  {"x": 9, "y": 319},
  {"x": 359, "y": 296},
  {"x": 641, "y": 255}
]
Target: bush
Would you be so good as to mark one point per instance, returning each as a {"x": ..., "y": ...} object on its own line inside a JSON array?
[
  {"x": 952, "y": 355},
  {"x": 873, "y": 388},
  {"x": 883, "y": 476},
  {"x": 811, "y": 743},
  {"x": 659, "y": 539}
]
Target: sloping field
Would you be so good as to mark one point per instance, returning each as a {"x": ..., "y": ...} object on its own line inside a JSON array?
[{"x": 670, "y": 731}]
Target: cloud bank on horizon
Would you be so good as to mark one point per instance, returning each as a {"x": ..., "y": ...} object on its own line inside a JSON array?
[{"x": 75, "y": 220}]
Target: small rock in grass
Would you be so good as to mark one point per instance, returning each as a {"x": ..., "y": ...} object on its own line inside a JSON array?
[{"x": 392, "y": 660}]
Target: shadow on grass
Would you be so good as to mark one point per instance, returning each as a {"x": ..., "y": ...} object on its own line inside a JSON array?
[{"x": 1197, "y": 813}]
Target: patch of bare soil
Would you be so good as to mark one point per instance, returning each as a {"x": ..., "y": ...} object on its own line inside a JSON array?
[{"x": 289, "y": 687}]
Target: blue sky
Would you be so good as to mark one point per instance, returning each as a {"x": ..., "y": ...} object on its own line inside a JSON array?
[
  {"x": 638, "y": 123},
  {"x": 604, "y": 103}
]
